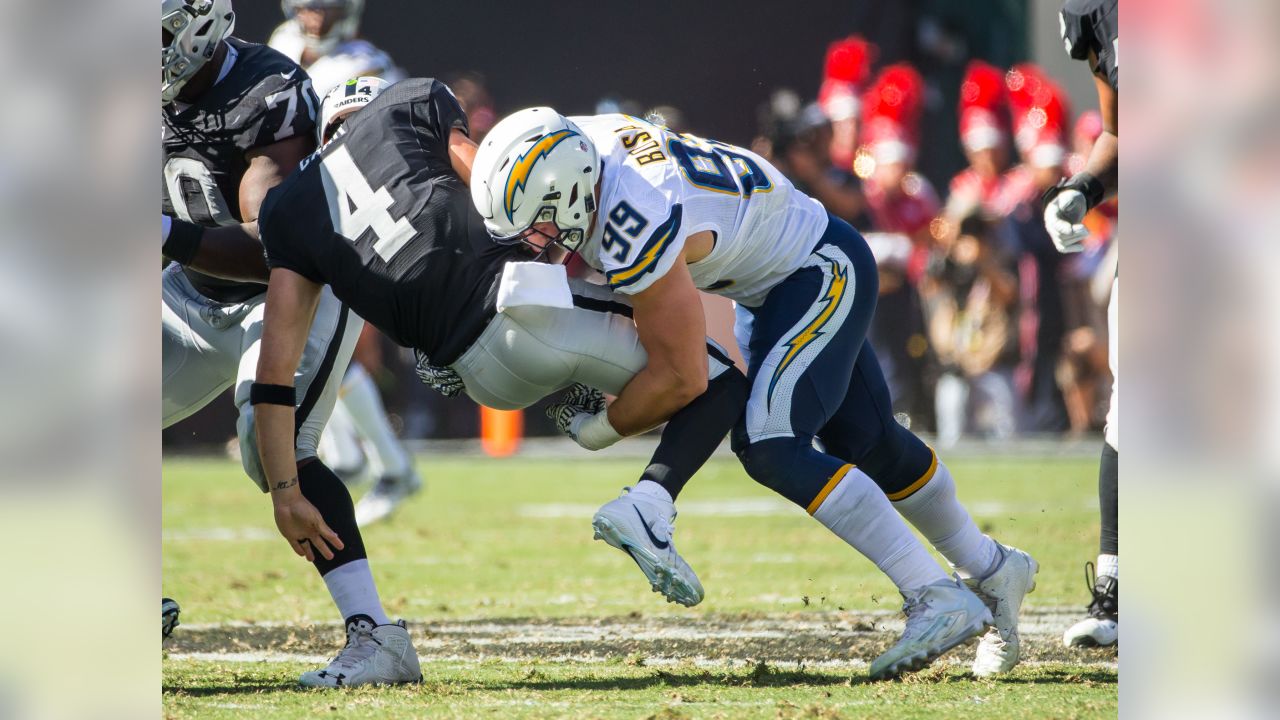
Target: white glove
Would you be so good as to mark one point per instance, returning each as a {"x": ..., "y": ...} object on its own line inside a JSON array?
[{"x": 1064, "y": 219}]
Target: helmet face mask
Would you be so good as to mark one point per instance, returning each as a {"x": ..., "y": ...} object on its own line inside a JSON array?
[
  {"x": 536, "y": 166},
  {"x": 191, "y": 31},
  {"x": 570, "y": 239}
]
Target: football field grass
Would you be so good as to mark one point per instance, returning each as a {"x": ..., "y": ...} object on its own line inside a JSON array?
[{"x": 517, "y": 613}]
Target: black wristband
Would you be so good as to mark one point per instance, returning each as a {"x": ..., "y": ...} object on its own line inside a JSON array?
[
  {"x": 1089, "y": 186},
  {"x": 183, "y": 242},
  {"x": 266, "y": 393}
]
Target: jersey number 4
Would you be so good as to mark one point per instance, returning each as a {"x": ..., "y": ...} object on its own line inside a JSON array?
[{"x": 356, "y": 208}]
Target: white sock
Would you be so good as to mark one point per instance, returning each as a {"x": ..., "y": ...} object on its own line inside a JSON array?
[
  {"x": 939, "y": 516},
  {"x": 369, "y": 416},
  {"x": 859, "y": 513},
  {"x": 1109, "y": 565},
  {"x": 651, "y": 489},
  {"x": 353, "y": 591}
]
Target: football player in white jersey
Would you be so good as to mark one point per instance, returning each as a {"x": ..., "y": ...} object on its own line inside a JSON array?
[
  {"x": 663, "y": 215},
  {"x": 320, "y": 35}
]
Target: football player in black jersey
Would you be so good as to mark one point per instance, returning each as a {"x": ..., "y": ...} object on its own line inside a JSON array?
[
  {"x": 1091, "y": 32},
  {"x": 237, "y": 118},
  {"x": 382, "y": 214}
]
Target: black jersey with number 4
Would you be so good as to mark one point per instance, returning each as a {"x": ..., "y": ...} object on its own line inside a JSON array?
[
  {"x": 1093, "y": 26},
  {"x": 264, "y": 98},
  {"x": 379, "y": 215}
]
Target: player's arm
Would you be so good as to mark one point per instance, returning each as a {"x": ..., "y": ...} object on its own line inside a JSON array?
[
  {"x": 462, "y": 153},
  {"x": 1066, "y": 204},
  {"x": 290, "y": 308},
  {"x": 1104, "y": 159},
  {"x": 672, "y": 328},
  {"x": 233, "y": 252}
]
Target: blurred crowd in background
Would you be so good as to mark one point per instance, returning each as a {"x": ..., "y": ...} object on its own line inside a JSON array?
[{"x": 983, "y": 329}]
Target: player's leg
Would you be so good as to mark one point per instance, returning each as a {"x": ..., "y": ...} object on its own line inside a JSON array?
[
  {"x": 641, "y": 520},
  {"x": 340, "y": 447},
  {"x": 922, "y": 489},
  {"x": 389, "y": 461},
  {"x": 802, "y": 346},
  {"x": 529, "y": 352},
  {"x": 1101, "y": 626},
  {"x": 200, "y": 347},
  {"x": 377, "y": 650},
  {"x": 951, "y": 401},
  {"x": 199, "y": 355}
]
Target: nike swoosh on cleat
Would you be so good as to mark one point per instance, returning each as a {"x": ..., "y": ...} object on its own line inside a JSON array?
[
  {"x": 289, "y": 74},
  {"x": 660, "y": 544}
]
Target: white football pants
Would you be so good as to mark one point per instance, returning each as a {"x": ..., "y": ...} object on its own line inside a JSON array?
[
  {"x": 529, "y": 352},
  {"x": 210, "y": 346}
]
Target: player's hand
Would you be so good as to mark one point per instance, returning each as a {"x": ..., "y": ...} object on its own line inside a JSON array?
[
  {"x": 577, "y": 406},
  {"x": 1064, "y": 219},
  {"x": 303, "y": 527},
  {"x": 441, "y": 379}
]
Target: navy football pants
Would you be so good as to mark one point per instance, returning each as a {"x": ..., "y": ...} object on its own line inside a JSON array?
[{"x": 811, "y": 374}]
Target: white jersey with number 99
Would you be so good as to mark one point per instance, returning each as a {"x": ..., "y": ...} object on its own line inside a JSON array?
[{"x": 660, "y": 187}]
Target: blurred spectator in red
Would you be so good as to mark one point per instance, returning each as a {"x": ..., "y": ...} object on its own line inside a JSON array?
[
  {"x": 898, "y": 199},
  {"x": 847, "y": 67},
  {"x": 1040, "y": 117},
  {"x": 990, "y": 182},
  {"x": 901, "y": 204},
  {"x": 972, "y": 295}
]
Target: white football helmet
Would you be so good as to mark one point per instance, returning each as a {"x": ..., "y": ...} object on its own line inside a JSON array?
[
  {"x": 345, "y": 99},
  {"x": 536, "y": 166},
  {"x": 342, "y": 30},
  {"x": 190, "y": 33}
]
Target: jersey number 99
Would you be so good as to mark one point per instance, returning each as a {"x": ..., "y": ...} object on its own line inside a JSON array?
[{"x": 717, "y": 166}]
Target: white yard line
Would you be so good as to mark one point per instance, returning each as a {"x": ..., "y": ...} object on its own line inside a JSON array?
[
  {"x": 648, "y": 661},
  {"x": 1033, "y": 619}
]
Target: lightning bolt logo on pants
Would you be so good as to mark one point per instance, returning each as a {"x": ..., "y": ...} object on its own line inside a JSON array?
[{"x": 831, "y": 298}]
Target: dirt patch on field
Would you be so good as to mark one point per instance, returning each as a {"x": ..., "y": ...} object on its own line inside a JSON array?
[{"x": 810, "y": 638}]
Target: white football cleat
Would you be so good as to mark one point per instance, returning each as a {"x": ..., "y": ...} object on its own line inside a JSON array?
[
  {"x": 1003, "y": 592},
  {"x": 373, "y": 655},
  {"x": 939, "y": 617},
  {"x": 642, "y": 526},
  {"x": 386, "y": 495},
  {"x": 1102, "y": 627}
]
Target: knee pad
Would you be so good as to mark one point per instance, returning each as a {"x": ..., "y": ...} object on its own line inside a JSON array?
[
  {"x": 247, "y": 435},
  {"x": 897, "y": 461},
  {"x": 769, "y": 462},
  {"x": 789, "y": 466}
]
